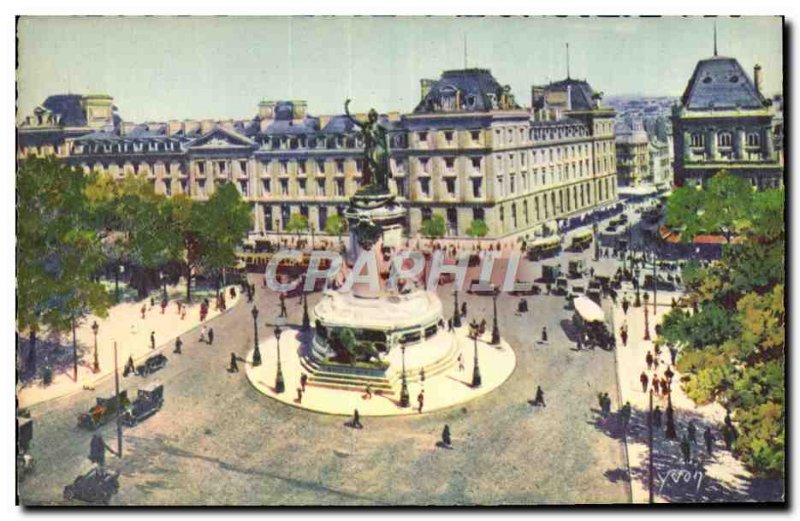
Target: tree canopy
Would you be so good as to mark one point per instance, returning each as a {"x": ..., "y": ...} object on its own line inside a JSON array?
[
  {"x": 434, "y": 227},
  {"x": 733, "y": 347}
]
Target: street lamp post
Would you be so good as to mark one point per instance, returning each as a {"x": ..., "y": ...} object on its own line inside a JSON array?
[
  {"x": 646, "y": 320},
  {"x": 404, "y": 398},
  {"x": 650, "y": 451},
  {"x": 670, "y": 432},
  {"x": 476, "y": 372},
  {"x": 163, "y": 284},
  {"x": 306, "y": 318},
  {"x": 279, "y": 384},
  {"x": 456, "y": 313},
  {"x": 257, "y": 352},
  {"x": 95, "y": 329},
  {"x": 655, "y": 278},
  {"x": 495, "y": 329},
  {"x": 596, "y": 242}
]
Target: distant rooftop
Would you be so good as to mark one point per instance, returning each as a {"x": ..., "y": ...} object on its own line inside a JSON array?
[
  {"x": 720, "y": 83},
  {"x": 473, "y": 90}
]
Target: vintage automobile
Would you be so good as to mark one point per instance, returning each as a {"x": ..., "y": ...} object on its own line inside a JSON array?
[
  {"x": 103, "y": 411},
  {"x": 479, "y": 287},
  {"x": 589, "y": 320},
  {"x": 151, "y": 365},
  {"x": 148, "y": 401},
  {"x": 575, "y": 268},
  {"x": 96, "y": 486},
  {"x": 561, "y": 286},
  {"x": 595, "y": 291},
  {"x": 25, "y": 461},
  {"x": 551, "y": 272}
]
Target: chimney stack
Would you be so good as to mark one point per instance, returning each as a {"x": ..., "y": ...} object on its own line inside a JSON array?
[{"x": 758, "y": 79}]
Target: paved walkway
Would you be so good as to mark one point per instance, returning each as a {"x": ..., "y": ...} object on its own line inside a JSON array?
[
  {"x": 446, "y": 389},
  {"x": 125, "y": 326},
  {"x": 707, "y": 478}
]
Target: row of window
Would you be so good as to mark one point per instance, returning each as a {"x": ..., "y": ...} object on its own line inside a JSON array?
[{"x": 724, "y": 139}]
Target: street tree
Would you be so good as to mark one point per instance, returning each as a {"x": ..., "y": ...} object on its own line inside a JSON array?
[
  {"x": 477, "y": 228},
  {"x": 434, "y": 228}
]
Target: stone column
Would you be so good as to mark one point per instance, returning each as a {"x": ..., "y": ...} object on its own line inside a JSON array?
[
  {"x": 768, "y": 146},
  {"x": 739, "y": 143},
  {"x": 711, "y": 144},
  {"x": 687, "y": 145}
]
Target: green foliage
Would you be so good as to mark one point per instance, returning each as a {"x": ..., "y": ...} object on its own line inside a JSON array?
[
  {"x": 435, "y": 227},
  {"x": 58, "y": 247},
  {"x": 221, "y": 224},
  {"x": 335, "y": 225},
  {"x": 732, "y": 350},
  {"x": 297, "y": 223},
  {"x": 477, "y": 228}
]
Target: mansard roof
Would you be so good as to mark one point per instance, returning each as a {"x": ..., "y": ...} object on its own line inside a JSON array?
[
  {"x": 221, "y": 136},
  {"x": 340, "y": 124},
  {"x": 718, "y": 83},
  {"x": 479, "y": 91},
  {"x": 580, "y": 93},
  {"x": 308, "y": 125}
]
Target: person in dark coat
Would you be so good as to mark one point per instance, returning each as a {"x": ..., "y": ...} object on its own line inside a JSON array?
[
  {"x": 234, "y": 368},
  {"x": 544, "y": 334},
  {"x": 446, "y": 441},
  {"x": 691, "y": 430},
  {"x": 356, "y": 423},
  {"x": 303, "y": 381},
  {"x": 463, "y": 310},
  {"x": 643, "y": 378},
  {"x": 421, "y": 400},
  {"x": 97, "y": 450},
  {"x": 649, "y": 359},
  {"x": 686, "y": 449},
  {"x": 178, "y": 345},
  {"x": 539, "y": 399},
  {"x": 210, "y": 336},
  {"x": 152, "y": 339},
  {"x": 657, "y": 416},
  {"x": 709, "y": 439},
  {"x": 130, "y": 368}
]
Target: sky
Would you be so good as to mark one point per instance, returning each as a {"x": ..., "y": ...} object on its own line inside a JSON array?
[{"x": 161, "y": 68}]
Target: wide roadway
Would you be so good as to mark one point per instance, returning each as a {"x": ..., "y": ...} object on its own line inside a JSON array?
[{"x": 217, "y": 441}]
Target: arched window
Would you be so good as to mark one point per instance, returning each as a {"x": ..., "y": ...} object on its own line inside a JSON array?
[
  {"x": 753, "y": 139},
  {"x": 724, "y": 139},
  {"x": 698, "y": 139}
]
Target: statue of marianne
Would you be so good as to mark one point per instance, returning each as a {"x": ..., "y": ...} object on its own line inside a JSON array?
[{"x": 376, "y": 152}]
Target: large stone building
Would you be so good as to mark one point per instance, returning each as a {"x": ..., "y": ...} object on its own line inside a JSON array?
[
  {"x": 724, "y": 121},
  {"x": 467, "y": 151},
  {"x": 633, "y": 155}
]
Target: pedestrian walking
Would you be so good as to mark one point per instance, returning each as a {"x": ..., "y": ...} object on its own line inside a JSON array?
[
  {"x": 152, "y": 302},
  {"x": 183, "y": 312},
  {"x": 482, "y": 327},
  {"x": 673, "y": 353},
  {"x": 649, "y": 359},
  {"x": 356, "y": 423},
  {"x": 625, "y": 305},
  {"x": 210, "y": 335},
  {"x": 460, "y": 362},
  {"x": 691, "y": 431},
  {"x": 446, "y": 441},
  {"x": 422, "y": 375},
  {"x": 624, "y": 335},
  {"x": 299, "y": 395},
  {"x": 421, "y": 400},
  {"x": 580, "y": 342},
  {"x": 303, "y": 381},
  {"x": 643, "y": 378},
  {"x": 203, "y": 331},
  {"x": 178, "y": 345},
  {"x": 368, "y": 392},
  {"x": 657, "y": 416},
  {"x": 669, "y": 374},
  {"x": 544, "y": 334},
  {"x": 709, "y": 439},
  {"x": 686, "y": 449},
  {"x": 234, "y": 368},
  {"x": 728, "y": 435},
  {"x": 283, "y": 306},
  {"x": 539, "y": 399},
  {"x": 450, "y": 324},
  {"x": 655, "y": 385},
  {"x": 144, "y": 309},
  {"x": 463, "y": 310},
  {"x": 97, "y": 450},
  {"x": 152, "y": 339},
  {"x": 129, "y": 368},
  {"x": 625, "y": 415}
]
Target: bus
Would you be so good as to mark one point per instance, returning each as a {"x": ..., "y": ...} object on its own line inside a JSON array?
[
  {"x": 581, "y": 240},
  {"x": 543, "y": 248}
]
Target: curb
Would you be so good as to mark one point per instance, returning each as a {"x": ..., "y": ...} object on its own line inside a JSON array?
[{"x": 158, "y": 349}]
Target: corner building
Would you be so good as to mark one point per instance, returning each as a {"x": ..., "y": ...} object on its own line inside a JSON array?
[{"x": 467, "y": 151}]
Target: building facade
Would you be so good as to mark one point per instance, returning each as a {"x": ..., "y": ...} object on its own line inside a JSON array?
[
  {"x": 467, "y": 152},
  {"x": 724, "y": 121},
  {"x": 633, "y": 155}
]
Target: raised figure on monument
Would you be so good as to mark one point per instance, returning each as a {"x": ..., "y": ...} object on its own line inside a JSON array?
[{"x": 376, "y": 153}]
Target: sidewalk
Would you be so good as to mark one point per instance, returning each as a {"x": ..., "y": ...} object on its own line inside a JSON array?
[
  {"x": 707, "y": 478},
  {"x": 125, "y": 326}
]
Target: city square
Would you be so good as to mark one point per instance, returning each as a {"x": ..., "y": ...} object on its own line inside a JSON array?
[{"x": 478, "y": 300}]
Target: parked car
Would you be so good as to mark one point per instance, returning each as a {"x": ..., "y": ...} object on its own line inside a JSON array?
[
  {"x": 551, "y": 272},
  {"x": 103, "y": 411},
  {"x": 151, "y": 365},
  {"x": 148, "y": 402},
  {"x": 96, "y": 486}
]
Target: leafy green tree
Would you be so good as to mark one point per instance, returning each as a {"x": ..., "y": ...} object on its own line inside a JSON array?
[
  {"x": 727, "y": 202},
  {"x": 477, "y": 228},
  {"x": 221, "y": 224},
  {"x": 58, "y": 250},
  {"x": 335, "y": 225},
  {"x": 298, "y": 223},
  {"x": 435, "y": 227}
]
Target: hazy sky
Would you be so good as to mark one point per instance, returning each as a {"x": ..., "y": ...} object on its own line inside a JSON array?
[{"x": 161, "y": 68}]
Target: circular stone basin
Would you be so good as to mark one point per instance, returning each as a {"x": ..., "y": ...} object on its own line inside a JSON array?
[{"x": 449, "y": 387}]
